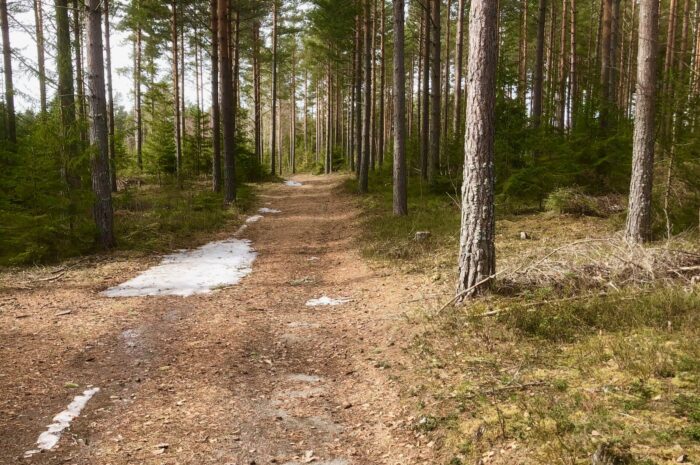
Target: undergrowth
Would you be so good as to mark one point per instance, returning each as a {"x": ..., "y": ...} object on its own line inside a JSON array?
[{"x": 593, "y": 347}]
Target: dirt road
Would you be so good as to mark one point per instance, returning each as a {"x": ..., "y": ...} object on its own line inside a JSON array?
[{"x": 246, "y": 375}]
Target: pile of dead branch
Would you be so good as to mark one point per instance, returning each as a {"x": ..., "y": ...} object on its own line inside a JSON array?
[{"x": 608, "y": 263}]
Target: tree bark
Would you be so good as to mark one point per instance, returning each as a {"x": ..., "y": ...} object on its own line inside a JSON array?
[
  {"x": 400, "y": 198},
  {"x": 446, "y": 74},
  {"x": 176, "y": 87},
  {"x": 99, "y": 139},
  {"x": 257, "y": 101},
  {"x": 10, "y": 120},
  {"x": 382, "y": 83},
  {"x": 293, "y": 116},
  {"x": 227, "y": 104},
  {"x": 273, "y": 119},
  {"x": 638, "y": 227},
  {"x": 425, "y": 107},
  {"x": 110, "y": 103},
  {"x": 65, "y": 90},
  {"x": 40, "y": 52},
  {"x": 477, "y": 258},
  {"x": 363, "y": 180},
  {"x": 522, "y": 53},
  {"x": 573, "y": 76},
  {"x": 561, "y": 91},
  {"x": 435, "y": 91},
  {"x": 215, "y": 103},
  {"x": 137, "y": 98},
  {"x": 459, "y": 54},
  {"x": 358, "y": 96},
  {"x": 537, "y": 94},
  {"x": 80, "y": 81}
]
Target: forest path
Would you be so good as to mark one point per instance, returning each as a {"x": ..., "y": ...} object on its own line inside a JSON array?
[{"x": 246, "y": 375}]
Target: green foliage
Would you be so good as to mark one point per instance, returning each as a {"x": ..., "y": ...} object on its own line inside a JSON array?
[
  {"x": 572, "y": 200},
  {"x": 567, "y": 320}
]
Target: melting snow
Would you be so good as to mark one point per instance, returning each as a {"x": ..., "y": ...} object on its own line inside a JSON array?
[
  {"x": 196, "y": 271},
  {"x": 49, "y": 438},
  {"x": 268, "y": 210},
  {"x": 293, "y": 183},
  {"x": 325, "y": 300},
  {"x": 253, "y": 219}
]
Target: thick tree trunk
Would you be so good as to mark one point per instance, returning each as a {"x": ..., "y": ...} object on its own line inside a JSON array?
[
  {"x": 40, "y": 52},
  {"x": 227, "y": 105},
  {"x": 10, "y": 120},
  {"x": 435, "y": 91},
  {"x": 273, "y": 118},
  {"x": 459, "y": 54},
  {"x": 363, "y": 180},
  {"x": 537, "y": 88},
  {"x": 215, "y": 103},
  {"x": 99, "y": 138},
  {"x": 638, "y": 228},
  {"x": 110, "y": 103},
  {"x": 477, "y": 257},
  {"x": 400, "y": 202}
]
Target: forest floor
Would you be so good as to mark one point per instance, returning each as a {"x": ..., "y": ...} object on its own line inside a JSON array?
[
  {"x": 584, "y": 343},
  {"x": 247, "y": 374}
]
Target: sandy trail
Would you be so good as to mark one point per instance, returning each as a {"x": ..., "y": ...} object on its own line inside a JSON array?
[{"x": 248, "y": 374}]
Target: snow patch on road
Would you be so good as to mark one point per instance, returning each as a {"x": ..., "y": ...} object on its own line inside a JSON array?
[
  {"x": 253, "y": 219},
  {"x": 49, "y": 438},
  {"x": 325, "y": 300},
  {"x": 293, "y": 183},
  {"x": 269, "y": 210},
  {"x": 197, "y": 271}
]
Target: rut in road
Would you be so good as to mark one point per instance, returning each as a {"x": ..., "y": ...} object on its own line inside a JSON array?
[{"x": 248, "y": 374}]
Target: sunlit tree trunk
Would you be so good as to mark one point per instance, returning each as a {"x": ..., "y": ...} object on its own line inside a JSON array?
[
  {"x": 227, "y": 104},
  {"x": 382, "y": 82},
  {"x": 137, "y": 96},
  {"x": 477, "y": 257},
  {"x": 367, "y": 106},
  {"x": 425, "y": 105},
  {"x": 257, "y": 110},
  {"x": 446, "y": 74},
  {"x": 400, "y": 202},
  {"x": 273, "y": 106},
  {"x": 638, "y": 227},
  {"x": 99, "y": 138},
  {"x": 40, "y": 52}
]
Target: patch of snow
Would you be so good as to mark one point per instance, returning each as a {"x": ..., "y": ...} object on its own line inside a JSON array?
[
  {"x": 325, "y": 300},
  {"x": 312, "y": 259},
  {"x": 268, "y": 210},
  {"x": 253, "y": 219},
  {"x": 197, "y": 271},
  {"x": 293, "y": 184},
  {"x": 49, "y": 438}
]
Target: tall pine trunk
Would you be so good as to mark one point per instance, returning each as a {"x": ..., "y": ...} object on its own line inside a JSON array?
[
  {"x": 367, "y": 107},
  {"x": 400, "y": 200},
  {"x": 215, "y": 103},
  {"x": 459, "y": 54},
  {"x": 99, "y": 137},
  {"x": 40, "y": 52},
  {"x": 227, "y": 104},
  {"x": 176, "y": 87},
  {"x": 10, "y": 120},
  {"x": 638, "y": 227},
  {"x": 110, "y": 102},
  {"x": 537, "y": 88},
  {"x": 425, "y": 104},
  {"x": 273, "y": 118},
  {"x": 477, "y": 255},
  {"x": 435, "y": 91}
]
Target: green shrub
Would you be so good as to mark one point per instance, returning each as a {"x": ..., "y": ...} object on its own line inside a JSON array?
[{"x": 574, "y": 201}]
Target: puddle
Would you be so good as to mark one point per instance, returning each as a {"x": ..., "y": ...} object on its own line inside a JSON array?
[
  {"x": 268, "y": 210},
  {"x": 293, "y": 184},
  {"x": 325, "y": 300},
  {"x": 49, "y": 438},
  {"x": 197, "y": 271}
]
